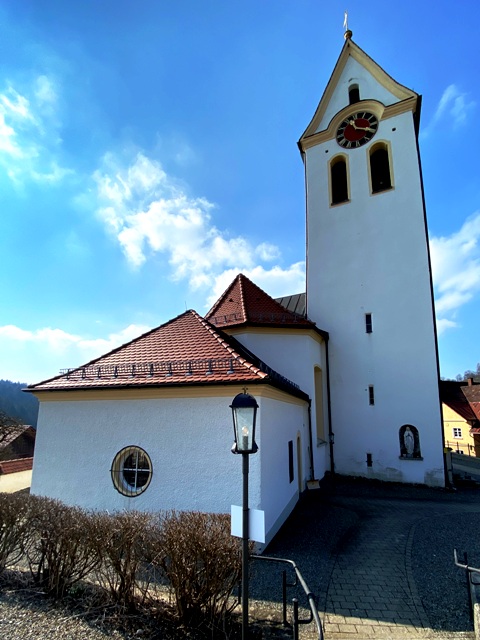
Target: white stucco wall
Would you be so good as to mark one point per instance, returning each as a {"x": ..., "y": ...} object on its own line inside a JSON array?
[
  {"x": 282, "y": 421},
  {"x": 188, "y": 441},
  {"x": 370, "y": 256},
  {"x": 295, "y": 354}
]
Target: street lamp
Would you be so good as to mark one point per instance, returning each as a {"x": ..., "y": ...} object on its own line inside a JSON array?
[{"x": 244, "y": 410}]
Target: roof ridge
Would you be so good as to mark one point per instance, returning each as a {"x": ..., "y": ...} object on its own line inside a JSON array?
[{"x": 224, "y": 342}]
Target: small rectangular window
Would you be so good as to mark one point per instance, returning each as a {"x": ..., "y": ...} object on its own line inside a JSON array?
[
  {"x": 457, "y": 432},
  {"x": 368, "y": 323},
  {"x": 291, "y": 473},
  {"x": 371, "y": 394}
]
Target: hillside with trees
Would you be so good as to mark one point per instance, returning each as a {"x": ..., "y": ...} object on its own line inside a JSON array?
[
  {"x": 470, "y": 374},
  {"x": 16, "y": 404}
]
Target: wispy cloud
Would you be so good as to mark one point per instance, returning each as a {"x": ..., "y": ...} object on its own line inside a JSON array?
[
  {"x": 149, "y": 212},
  {"x": 456, "y": 270},
  {"x": 29, "y": 133},
  {"x": 49, "y": 349},
  {"x": 453, "y": 105}
]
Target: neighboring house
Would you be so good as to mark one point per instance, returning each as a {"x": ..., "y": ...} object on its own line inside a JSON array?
[
  {"x": 345, "y": 376},
  {"x": 461, "y": 415},
  {"x": 19, "y": 443},
  {"x": 16, "y": 458}
]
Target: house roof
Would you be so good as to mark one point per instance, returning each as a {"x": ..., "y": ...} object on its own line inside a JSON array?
[
  {"x": 14, "y": 432},
  {"x": 296, "y": 303},
  {"x": 185, "y": 351},
  {"x": 244, "y": 303},
  {"x": 462, "y": 398}
]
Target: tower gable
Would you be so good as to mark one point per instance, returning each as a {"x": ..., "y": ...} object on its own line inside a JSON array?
[{"x": 355, "y": 68}]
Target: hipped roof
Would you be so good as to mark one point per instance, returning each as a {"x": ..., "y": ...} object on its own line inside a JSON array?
[
  {"x": 185, "y": 351},
  {"x": 244, "y": 303}
]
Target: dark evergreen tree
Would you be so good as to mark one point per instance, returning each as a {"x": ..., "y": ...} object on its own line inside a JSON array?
[{"x": 17, "y": 404}]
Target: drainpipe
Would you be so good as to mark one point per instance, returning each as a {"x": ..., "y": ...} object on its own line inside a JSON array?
[
  {"x": 330, "y": 431},
  {"x": 312, "y": 470}
]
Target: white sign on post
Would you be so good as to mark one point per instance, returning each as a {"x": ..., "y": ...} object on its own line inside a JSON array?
[{"x": 256, "y": 523}]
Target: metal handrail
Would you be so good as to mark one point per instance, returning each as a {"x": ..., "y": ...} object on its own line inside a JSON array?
[
  {"x": 310, "y": 596},
  {"x": 468, "y": 571}
]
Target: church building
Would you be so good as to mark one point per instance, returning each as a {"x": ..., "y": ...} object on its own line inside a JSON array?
[{"x": 345, "y": 375}]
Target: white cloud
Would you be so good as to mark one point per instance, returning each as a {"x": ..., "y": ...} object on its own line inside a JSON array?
[
  {"x": 29, "y": 138},
  {"x": 456, "y": 270},
  {"x": 149, "y": 212},
  {"x": 31, "y": 356},
  {"x": 453, "y": 105},
  {"x": 443, "y": 324}
]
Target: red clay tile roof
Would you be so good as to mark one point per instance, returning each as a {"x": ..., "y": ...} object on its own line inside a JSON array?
[
  {"x": 14, "y": 466},
  {"x": 185, "y": 351},
  {"x": 244, "y": 302}
]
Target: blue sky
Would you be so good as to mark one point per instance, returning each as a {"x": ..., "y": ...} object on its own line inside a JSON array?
[{"x": 148, "y": 154}]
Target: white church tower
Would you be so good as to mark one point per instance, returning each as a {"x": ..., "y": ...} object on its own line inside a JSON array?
[{"x": 368, "y": 273}]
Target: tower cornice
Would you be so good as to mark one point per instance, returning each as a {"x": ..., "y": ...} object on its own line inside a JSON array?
[{"x": 380, "y": 110}]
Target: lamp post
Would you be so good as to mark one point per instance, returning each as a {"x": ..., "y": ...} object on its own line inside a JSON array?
[{"x": 244, "y": 410}]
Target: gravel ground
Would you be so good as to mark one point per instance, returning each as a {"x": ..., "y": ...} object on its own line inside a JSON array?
[{"x": 28, "y": 617}]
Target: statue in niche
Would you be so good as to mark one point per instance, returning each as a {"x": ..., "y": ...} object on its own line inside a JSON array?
[{"x": 409, "y": 442}]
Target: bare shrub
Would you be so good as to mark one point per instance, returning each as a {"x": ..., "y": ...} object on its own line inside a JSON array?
[
  {"x": 201, "y": 561},
  {"x": 121, "y": 540},
  {"x": 61, "y": 547},
  {"x": 13, "y": 527}
]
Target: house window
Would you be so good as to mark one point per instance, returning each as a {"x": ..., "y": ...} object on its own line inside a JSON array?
[
  {"x": 131, "y": 471},
  {"x": 368, "y": 323},
  {"x": 291, "y": 472},
  {"x": 353, "y": 93},
  {"x": 338, "y": 180},
  {"x": 371, "y": 395},
  {"x": 457, "y": 432},
  {"x": 380, "y": 172}
]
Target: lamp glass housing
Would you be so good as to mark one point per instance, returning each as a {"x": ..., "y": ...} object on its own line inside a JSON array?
[{"x": 244, "y": 410}]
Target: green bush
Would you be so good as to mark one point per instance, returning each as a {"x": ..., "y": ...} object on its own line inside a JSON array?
[{"x": 201, "y": 561}]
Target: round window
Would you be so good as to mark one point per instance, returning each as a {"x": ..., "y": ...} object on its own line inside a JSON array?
[{"x": 131, "y": 471}]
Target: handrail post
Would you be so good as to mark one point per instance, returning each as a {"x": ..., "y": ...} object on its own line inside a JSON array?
[
  {"x": 469, "y": 588},
  {"x": 284, "y": 597},
  {"x": 295, "y": 618}
]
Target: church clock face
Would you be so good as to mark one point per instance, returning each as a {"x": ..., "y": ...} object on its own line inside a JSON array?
[{"x": 357, "y": 129}]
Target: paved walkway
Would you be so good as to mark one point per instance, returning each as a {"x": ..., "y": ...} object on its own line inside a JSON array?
[
  {"x": 369, "y": 569},
  {"x": 372, "y": 592}
]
